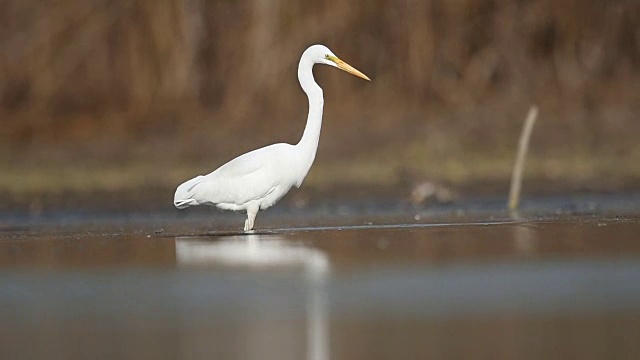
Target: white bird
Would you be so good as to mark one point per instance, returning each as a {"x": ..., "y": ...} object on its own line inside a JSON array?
[{"x": 258, "y": 179}]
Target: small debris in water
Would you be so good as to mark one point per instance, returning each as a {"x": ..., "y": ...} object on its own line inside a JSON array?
[{"x": 426, "y": 191}]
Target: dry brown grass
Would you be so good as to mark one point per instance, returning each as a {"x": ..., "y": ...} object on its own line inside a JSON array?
[{"x": 188, "y": 83}]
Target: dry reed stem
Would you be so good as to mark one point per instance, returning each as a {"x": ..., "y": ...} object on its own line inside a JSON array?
[{"x": 518, "y": 168}]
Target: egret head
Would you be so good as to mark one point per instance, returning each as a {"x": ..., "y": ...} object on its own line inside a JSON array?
[{"x": 321, "y": 54}]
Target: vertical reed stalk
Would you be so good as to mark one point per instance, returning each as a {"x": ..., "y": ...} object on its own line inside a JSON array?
[{"x": 518, "y": 168}]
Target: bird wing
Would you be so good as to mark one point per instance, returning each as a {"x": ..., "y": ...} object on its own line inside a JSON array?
[{"x": 248, "y": 177}]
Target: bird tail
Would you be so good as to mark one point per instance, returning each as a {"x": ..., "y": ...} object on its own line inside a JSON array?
[{"x": 184, "y": 197}]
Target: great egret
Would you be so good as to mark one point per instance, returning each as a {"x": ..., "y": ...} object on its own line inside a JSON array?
[{"x": 258, "y": 179}]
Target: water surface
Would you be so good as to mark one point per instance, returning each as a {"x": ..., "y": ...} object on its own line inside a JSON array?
[{"x": 554, "y": 281}]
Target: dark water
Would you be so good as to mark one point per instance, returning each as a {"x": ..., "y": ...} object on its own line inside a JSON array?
[{"x": 559, "y": 280}]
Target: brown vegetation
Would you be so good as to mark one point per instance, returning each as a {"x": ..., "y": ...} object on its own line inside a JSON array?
[{"x": 186, "y": 84}]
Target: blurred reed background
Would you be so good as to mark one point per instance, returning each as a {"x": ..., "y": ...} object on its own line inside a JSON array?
[{"x": 116, "y": 95}]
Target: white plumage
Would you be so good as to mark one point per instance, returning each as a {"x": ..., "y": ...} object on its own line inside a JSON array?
[{"x": 258, "y": 179}]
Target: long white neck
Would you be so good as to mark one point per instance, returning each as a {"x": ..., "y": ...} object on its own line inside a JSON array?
[{"x": 309, "y": 142}]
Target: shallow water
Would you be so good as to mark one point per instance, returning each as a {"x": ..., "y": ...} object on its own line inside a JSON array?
[{"x": 561, "y": 279}]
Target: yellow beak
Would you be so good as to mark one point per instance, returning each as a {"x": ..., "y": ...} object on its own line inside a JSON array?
[{"x": 350, "y": 69}]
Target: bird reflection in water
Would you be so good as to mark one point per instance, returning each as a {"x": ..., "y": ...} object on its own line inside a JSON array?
[{"x": 265, "y": 253}]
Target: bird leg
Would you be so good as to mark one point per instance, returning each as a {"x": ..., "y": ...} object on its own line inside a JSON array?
[{"x": 251, "y": 218}]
